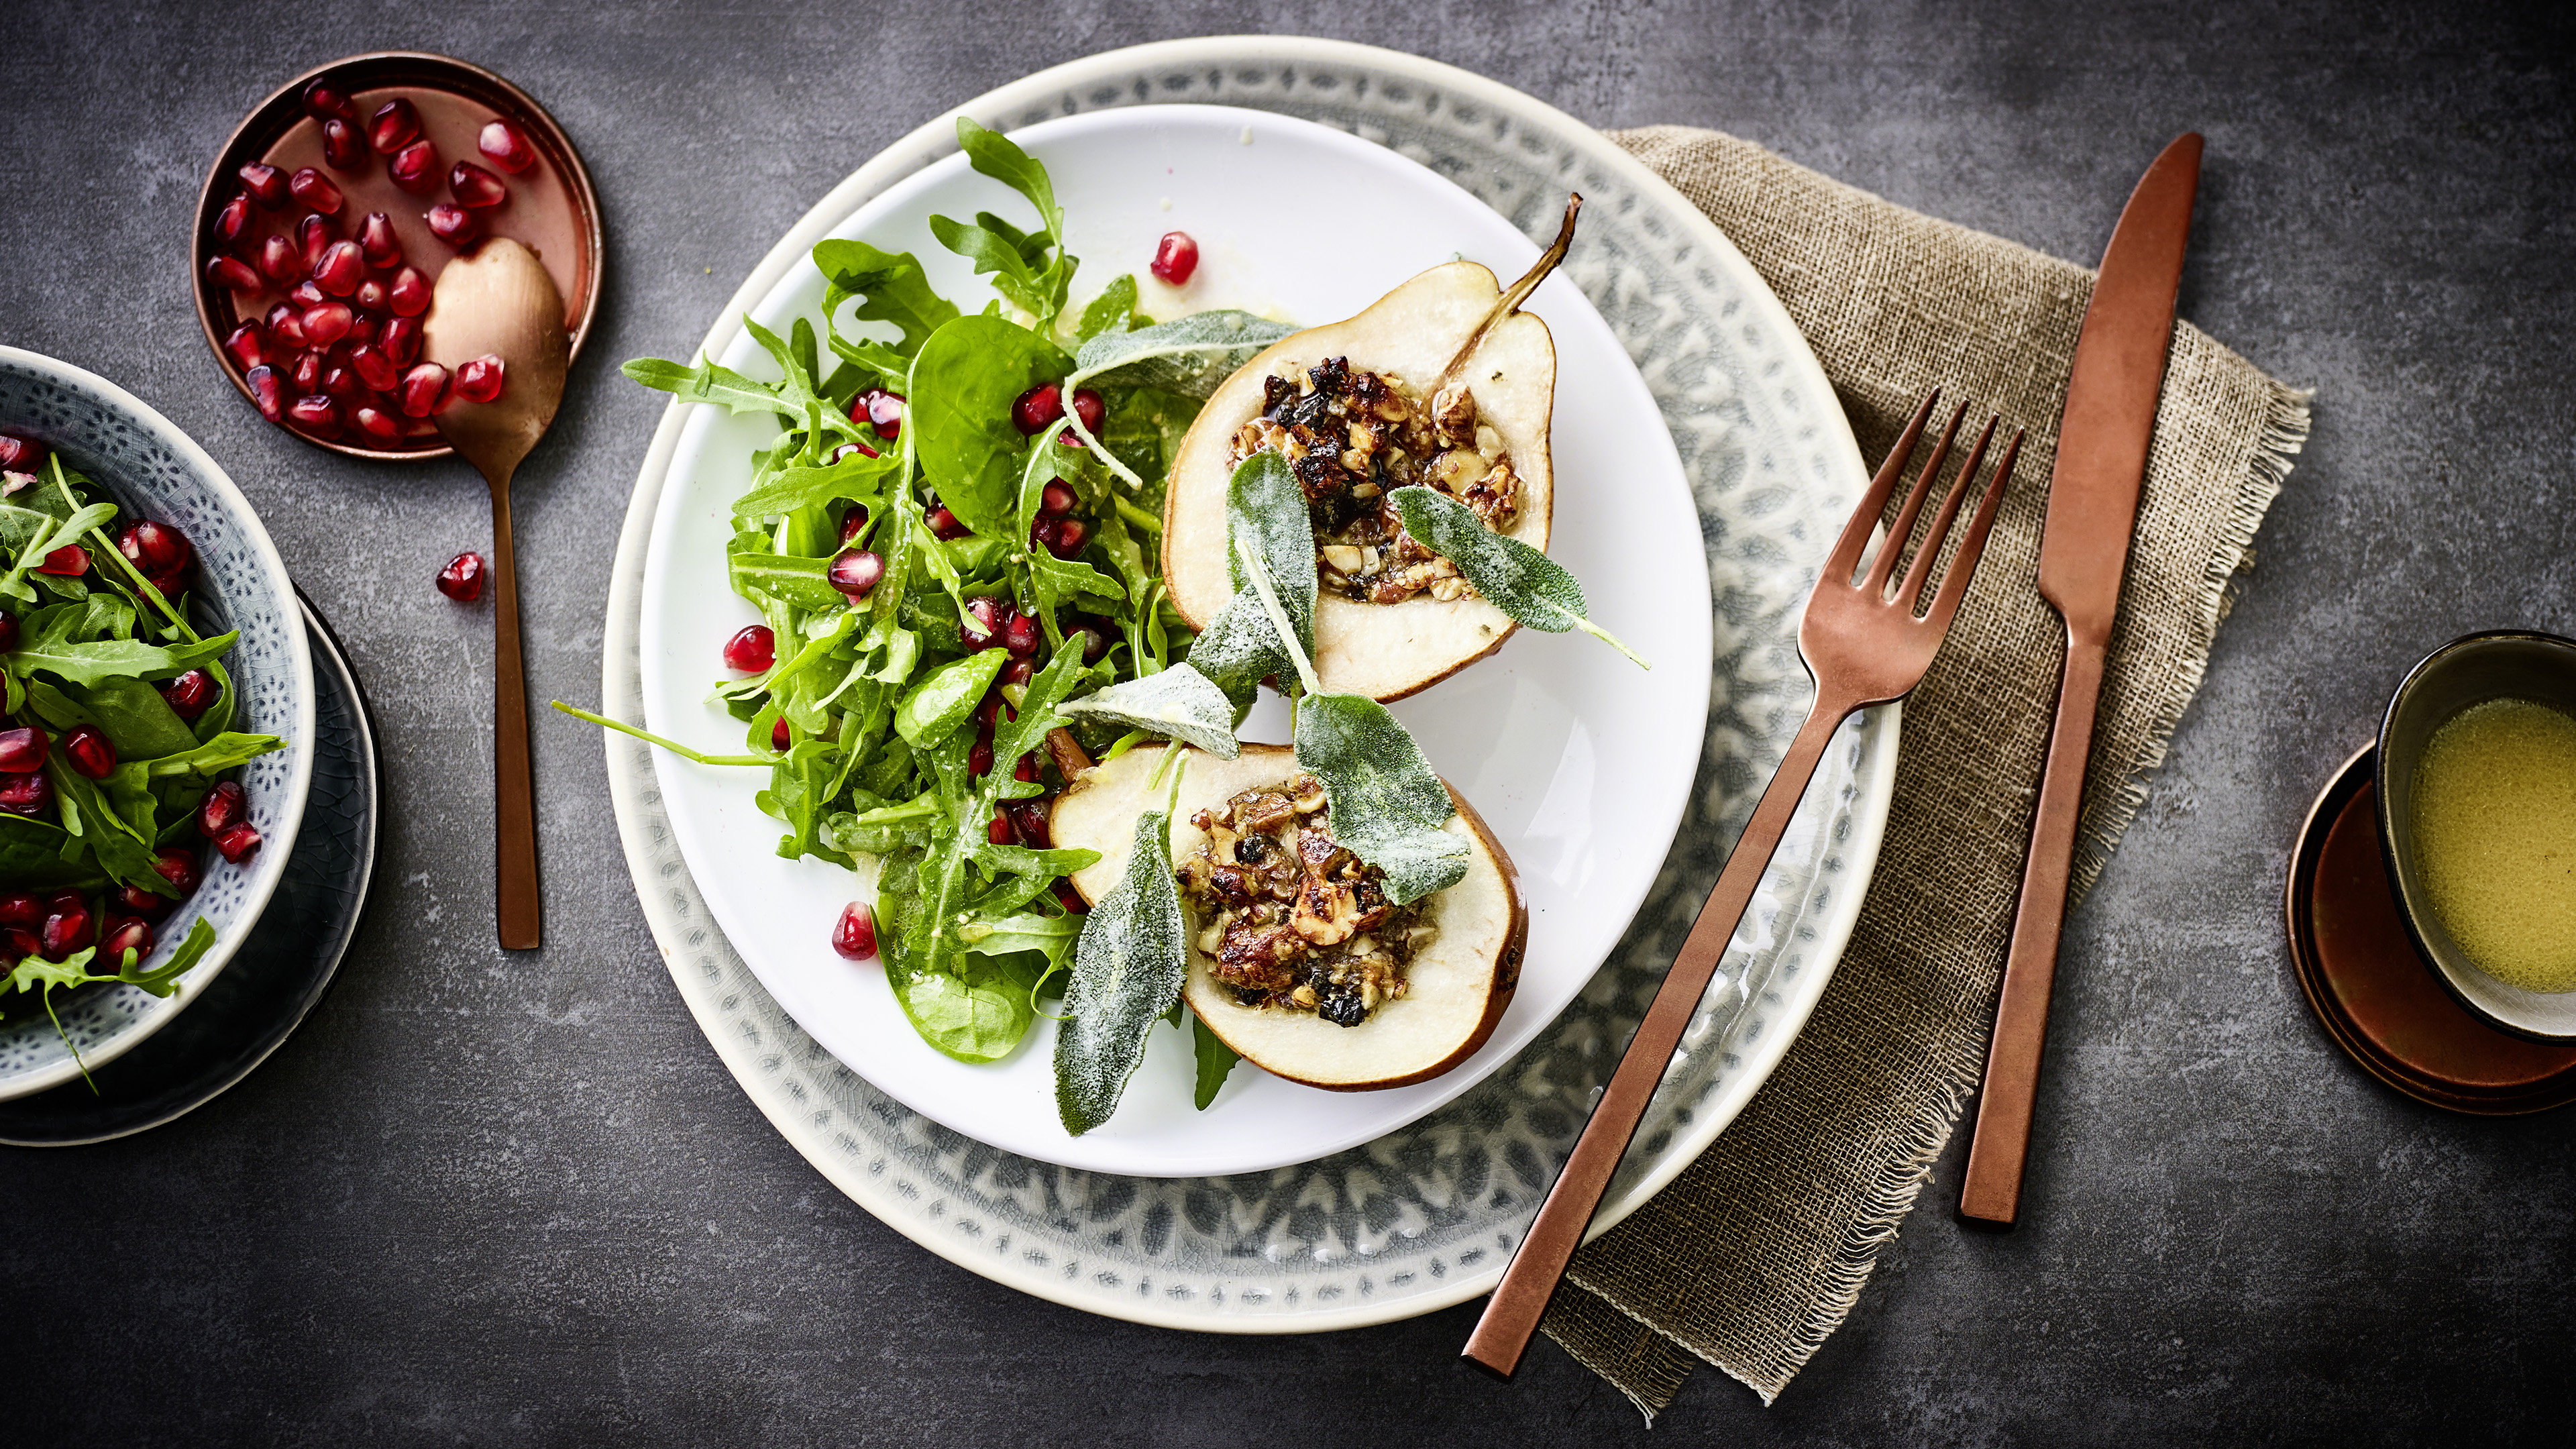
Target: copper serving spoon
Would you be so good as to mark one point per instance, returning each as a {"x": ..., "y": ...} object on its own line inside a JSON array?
[{"x": 499, "y": 301}]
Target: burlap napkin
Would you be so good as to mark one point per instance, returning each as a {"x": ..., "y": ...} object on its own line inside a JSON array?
[{"x": 1753, "y": 1257}]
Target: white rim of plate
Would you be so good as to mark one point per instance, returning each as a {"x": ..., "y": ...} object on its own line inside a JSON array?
[
  {"x": 932, "y": 141},
  {"x": 299, "y": 780}
]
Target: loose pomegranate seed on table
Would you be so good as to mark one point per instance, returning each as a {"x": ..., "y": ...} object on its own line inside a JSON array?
[
  {"x": 68, "y": 562},
  {"x": 1037, "y": 407},
  {"x": 315, "y": 190},
  {"x": 408, "y": 294},
  {"x": 341, "y": 145},
  {"x": 26, "y": 794},
  {"x": 130, "y": 935},
  {"x": 323, "y": 100},
  {"x": 481, "y": 380},
  {"x": 90, "y": 751},
  {"x": 462, "y": 579},
  {"x": 395, "y": 125},
  {"x": 424, "y": 390},
  {"x": 399, "y": 339},
  {"x": 224, "y": 807},
  {"x": 314, "y": 413},
  {"x": 279, "y": 259},
  {"x": 382, "y": 426},
  {"x": 313, "y": 237},
  {"x": 238, "y": 844},
  {"x": 267, "y": 184},
  {"x": 854, "y": 935},
  {"x": 230, "y": 274},
  {"x": 379, "y": 242},
  {"x": 248, "y": 345},
  {"x": 508, "y": 148},
  {"x": 232, "y": 224},
  {"x": 340, "y": 269},
  {"x": 855, "y": 571},
  {"x": 453, "y": 225},
  {"x": 190, "y": 695},
  {"x": 1176, "y": 256},
  {"x": 23, "y": 749},
  {"x": 472, "y": 186},
  {"x": 752, "y": 649},
  {"x": 415, "y": 168},
  {"x": 266, "y": 393}
]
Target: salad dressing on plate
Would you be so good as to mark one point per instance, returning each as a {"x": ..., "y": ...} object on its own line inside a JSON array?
[{"x": 2495, "y": 835}]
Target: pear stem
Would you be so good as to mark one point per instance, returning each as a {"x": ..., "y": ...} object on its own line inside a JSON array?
[{"x": 1513, "y": 296}]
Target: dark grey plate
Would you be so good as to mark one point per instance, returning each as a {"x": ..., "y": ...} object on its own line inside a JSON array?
[{"x": 281, "y": 970}]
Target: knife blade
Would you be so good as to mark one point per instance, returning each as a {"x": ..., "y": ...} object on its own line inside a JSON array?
[{"x": 2102, "y": 440}]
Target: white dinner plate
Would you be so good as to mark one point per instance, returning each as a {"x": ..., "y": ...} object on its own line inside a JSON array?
[{"x": 1578, "y": 759}]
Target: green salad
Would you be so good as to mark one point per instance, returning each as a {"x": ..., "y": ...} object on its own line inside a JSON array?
[{"x": 115, "y": 753}]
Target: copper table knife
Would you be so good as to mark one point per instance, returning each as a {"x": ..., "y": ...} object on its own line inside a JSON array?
[{"x": 2092, "y": 510}]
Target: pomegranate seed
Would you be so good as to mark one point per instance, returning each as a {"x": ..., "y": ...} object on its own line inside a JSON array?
[
  {"x": 415, "y": 168},
  {"x": 265, "y": 392},
  {"x": 21, "y": 943},
  {"x": 21, "y": 455},
  {"x": 396, "y": 124},
  {"x": 277, "y": 258},
  {"x": 378, "y": 240},
  {"x": 133, "y": 935},
  {"x": 1175, "y": 257},
  {"x": 306, "y": 295},
  {"x": 190, "y": 694},
  {"x": 453, "y": 225},
  {"x": 1036, "y": 408},
  {"x": 314, "y": 235},
  {"x": 224, "y": 807},
  {"x": 340, "y": 269},
  {"x": 1069, "y": 534},
  {"x": 170, "y": 585},
  {"x": 248, "y": 345},
  {"x": 341, "y": 146},
  {"x": 26, "y": 794},
  {"x": 1071, "y": 899},
  {"x": 90, "y": 751},
  {"x": 855, "y": 571},
  {"x": 1000, "y": 832},
  {"x": 267, "y": 184},
  {"x": 424, "y": 390},
  {"x": 944, "y": 524},
  {"x": 306, "y": 374},
  {"x": 1095, "y": 641},
  {"x": 323, "y": 100},
  {"x": 981, "y": 624},
  {"x": 1021, "y": 636},
  {"x": 315, "y": 190},
  {"x": 1018, "y": 671},
  {"x": 376, "y": 424},
  {"x": 314, "y": 413},
  {"x": 979, "y": 755},
  {"x": 69, "y": 928},
  {"x": 855, "y": 934},
  {"x": 854, "y": 521},
  {"x": 68, "y": 562},
  {"x": 880, "y": 410},
  {"x": 232, "y": 224},
  {"x": 861, "y": 449},
  {"x": 327, "y": 323},
  {"x": 508, "y": 149},
  {"x": 371, "y": 296},
  {"x": 178, "y": 865},
  {"x": 8, "y": 632},
  {"x": 18, "y": 908},
  {"x": 1026, "y": 771},
  {"x": 137, "y": 901},
  {"x": 23, "y": 749},
  {"x": 155, "y": 548},
  {"x": 993, "y": 711},
  {"x": 481, "y": 380},
  {"x": 1028, "y": 819},
  {"x": 1057, "y": 501},
  {"x": 286, "y": 324},
  {"x": 409, "y": 294},
  {"x": 462, "y": 579},
  {"x": 780, "y": 737},
  {"x": 374, "y": 368},
  {"x": 474, "y": 187},
  {"x": 238, "y": 844},
  {"x": 399, "y": 341},
  {"x": 1088, "y": 407},
  {"x": 230, "y": 274},
  {"x": 752, "y": 650},
  {"x": 340, "y": 383}
]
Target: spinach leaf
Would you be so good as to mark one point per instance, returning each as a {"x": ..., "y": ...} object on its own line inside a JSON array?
[
  {"x": 1179, "y": 703},
  {"x": 36, "y": 854},
  {"x": 1188, "y": 355},
  {"x": 1521, "y": 581},
  {"x": 1215, "y": 1061},
  {"x": 890, "y": 286},
  {"x": 963, "y": 384},
  {"x": 978, "y": 1011},
  {"x": 1128, "y": 968},
  {"x": 1387, "y": 804}
]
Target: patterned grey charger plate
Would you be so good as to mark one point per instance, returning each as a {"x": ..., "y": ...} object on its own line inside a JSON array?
[
  {"x": 1424, "y": 1217},
  {"x": 283, "y": 966}
]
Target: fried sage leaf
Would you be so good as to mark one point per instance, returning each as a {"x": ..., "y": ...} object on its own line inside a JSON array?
[
  {"x": 1179, "y": 703},
  {"x": 1265, "y": 514},
  {"x": 1388, "y": 805},
  {"x": 1188, "y": 355},
  {"x": 1128, "y": 967},
  {"x": 1521, "y": 581}
]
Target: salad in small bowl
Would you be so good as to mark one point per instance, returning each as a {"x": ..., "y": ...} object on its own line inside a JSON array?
[{"x": 156, "y": 747}]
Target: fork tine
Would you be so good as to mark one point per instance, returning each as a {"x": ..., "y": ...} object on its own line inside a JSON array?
[
  {"x": 1903, "y": 529},
  {"x": 1963, "y": 564},
  {"x": 1845, "y": 559},
  {"x": 1924, "y": 557}
]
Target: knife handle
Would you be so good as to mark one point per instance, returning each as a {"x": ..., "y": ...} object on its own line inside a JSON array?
[{"x": 1991, "y": 1195}]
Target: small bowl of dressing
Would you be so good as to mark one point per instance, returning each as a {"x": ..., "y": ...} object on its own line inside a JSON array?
[{"x": 2477, "y": 817}]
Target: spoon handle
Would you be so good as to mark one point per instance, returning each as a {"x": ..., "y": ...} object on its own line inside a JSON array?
[{"x": 519, "y": 910}]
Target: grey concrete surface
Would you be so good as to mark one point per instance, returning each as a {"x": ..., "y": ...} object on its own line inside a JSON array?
[{"x": 486, "y": 1198}]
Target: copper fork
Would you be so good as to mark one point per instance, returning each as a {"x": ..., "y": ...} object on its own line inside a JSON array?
[{"x": 1864, "y": 644}]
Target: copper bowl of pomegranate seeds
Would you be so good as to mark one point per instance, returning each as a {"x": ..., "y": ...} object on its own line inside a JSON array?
[{"x": 325, "y": 221}]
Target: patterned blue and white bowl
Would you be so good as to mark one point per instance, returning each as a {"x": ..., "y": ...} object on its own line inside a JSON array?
[{"x": 153, "y": 469}]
